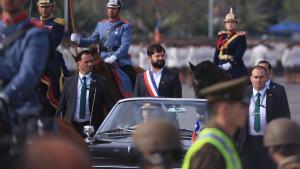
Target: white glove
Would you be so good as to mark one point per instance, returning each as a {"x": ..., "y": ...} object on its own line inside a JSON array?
[
  {"x": 75, "y": 38},
  {"x": 225, "y": 66},
  {"x": 110, "y": 59}
]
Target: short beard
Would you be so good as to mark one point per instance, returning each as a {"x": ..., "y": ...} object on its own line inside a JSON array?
[{"x": 158, "y": 64}]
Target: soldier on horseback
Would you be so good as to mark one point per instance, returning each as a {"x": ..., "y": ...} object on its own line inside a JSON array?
[
  {"x": 114, "y": 37},
  {"x": 231, "y": 47},
  {"x": 22, "y": 60},
  {"x": 51, "y": 83}
]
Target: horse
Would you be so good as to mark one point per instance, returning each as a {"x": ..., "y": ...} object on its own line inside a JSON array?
[
  {"x": 109, "y": 72},
  {"x": 205, "y": 74}
]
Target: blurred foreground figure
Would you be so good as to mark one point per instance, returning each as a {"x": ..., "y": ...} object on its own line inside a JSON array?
[
  {"x": 231, "y": 47},
  {"x": 214, "y": 147},
  {"x": 51, "y": 152},
  {"x": 158, "y": 142},
  {"x": 23, "y": 55},
  {"x": 282, "y": 139}
]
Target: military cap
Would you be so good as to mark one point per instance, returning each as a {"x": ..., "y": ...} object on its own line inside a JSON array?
[
  {"x": 282, "y": 131},
  {"x": 149, "y": 106},
  {"x": 231, "y": 90},
  {"x": 156, "y": 136},
  {"x": 231, "y": 16},
  {"x": 114, "y": 4},
  {"x": 45, "y": 2}
]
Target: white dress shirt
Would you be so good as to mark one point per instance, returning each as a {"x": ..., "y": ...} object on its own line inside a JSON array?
[
  {"x": 157, "y": 76},
  {"x": 263, "y": 116},
  {"x": 268, "y": 83},
  {"x": 88, "y": 83}
]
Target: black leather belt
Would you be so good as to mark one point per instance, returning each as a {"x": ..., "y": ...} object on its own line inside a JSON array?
[{"x": 104, "y": 49}]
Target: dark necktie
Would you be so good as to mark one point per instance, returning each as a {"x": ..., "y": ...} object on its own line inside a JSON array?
[
  {"x": 82, "y": 99},
  {"x": 257, "y": 113}
]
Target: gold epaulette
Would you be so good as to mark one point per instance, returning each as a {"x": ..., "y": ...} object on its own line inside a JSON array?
[
  {"x": 241, "y": 33},
  {"x": 222, "y": 32},
  {"x": 59, "y": 21}
]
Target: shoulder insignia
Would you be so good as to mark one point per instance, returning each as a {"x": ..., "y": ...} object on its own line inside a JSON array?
[
  {"x": 37, "y": 23},
  {"x": 125, "y": 20},
  {"x": 102, "y": 20},
  {"x": 59, "y": 21},
  {"x": 241, "y": 33},
  {"x": 222, "y": 32}
]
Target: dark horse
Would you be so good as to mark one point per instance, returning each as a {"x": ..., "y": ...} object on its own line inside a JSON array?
[
  {"x": 106, "y": 70},
  {"x": 206, "y": 74}
]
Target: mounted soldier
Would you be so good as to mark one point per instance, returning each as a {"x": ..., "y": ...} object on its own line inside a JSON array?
[
  {"x": 51, "y": 83},
  {"x": 114, "y": 37},
  {"x": 231, "y": 47},
  {"x": 23, "y": 56}
]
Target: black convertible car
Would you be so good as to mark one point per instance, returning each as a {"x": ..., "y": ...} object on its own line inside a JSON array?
[{"x": 112, "y": 146}]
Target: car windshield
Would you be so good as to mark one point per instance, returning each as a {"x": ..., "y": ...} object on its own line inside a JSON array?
[{"x": 129, "y": 114}]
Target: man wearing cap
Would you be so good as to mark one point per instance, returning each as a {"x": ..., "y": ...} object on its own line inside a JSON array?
[
  {"x": 282, "y": 139},
  {"x": 265, "y": 105},
  {"x": 159, "y": 144},
  {"x": 214, "y": 147},
  {"x": 157, "y": 81},
  {"x": 50, "y": 86},
  {"x": 231, "y": 47},
  {"x": 23, "y": 59},
  {"x": 114, "y": 37}
]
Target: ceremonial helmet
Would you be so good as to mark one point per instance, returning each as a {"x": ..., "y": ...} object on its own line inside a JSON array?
[
  {"x": 45, "y": 2},
  {"x": 231, "y": 16},
  {"x": 114, "y": 4},
  {"x": 282, "y": 131},
  {"x": 158, "y": 136}
]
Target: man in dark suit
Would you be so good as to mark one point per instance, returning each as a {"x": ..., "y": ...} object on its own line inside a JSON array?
[
  {"x": 84, "y": 95},
  {"x": 265, "y": 105},
  {"x": 157, "y": 81},
  {"x": 273, "y": 85}
]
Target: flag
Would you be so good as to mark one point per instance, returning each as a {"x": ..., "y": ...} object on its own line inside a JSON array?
[
  {"x": 157, "y": 38},
  {"x": 196, "y": 131}
]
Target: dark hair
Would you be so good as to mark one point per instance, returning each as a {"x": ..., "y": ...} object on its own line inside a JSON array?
[
  {"x": 79, "y": 55},
  {"x": 258, "y": 67},
  {"x": 155, "y": 48},
  {"x": 265, "y": 62},
  {"x": 287, "y": 150}
]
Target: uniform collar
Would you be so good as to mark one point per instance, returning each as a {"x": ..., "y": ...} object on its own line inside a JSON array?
[
  {"x": 45, "y": 19},
  {"x": 231, "y": 33},
  {"x": 15, "y": 19},
  {"x": 114, "y": 20}
]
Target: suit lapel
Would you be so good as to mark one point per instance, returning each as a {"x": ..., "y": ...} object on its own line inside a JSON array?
[
  {"x": 269, "y": 100},
  {"x": 162, "y": 82},
  {"x": 92, "y": 91},
  {"x": 73, "y": 89}
]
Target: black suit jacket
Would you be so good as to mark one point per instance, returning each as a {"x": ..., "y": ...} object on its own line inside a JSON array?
[
  {"x": 169, "y": 85},
  {"x": 67, "y": 102},
  {"x": 276, "y": 107}
]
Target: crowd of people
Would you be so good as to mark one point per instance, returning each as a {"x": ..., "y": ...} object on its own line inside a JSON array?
[{"x": 249, "y": 122}]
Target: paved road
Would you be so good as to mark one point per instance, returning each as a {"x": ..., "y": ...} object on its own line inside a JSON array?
[{"x": 292, "y": 90}]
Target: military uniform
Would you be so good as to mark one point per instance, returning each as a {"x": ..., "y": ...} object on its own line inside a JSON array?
[
  {"x": 22, "y": 63},
  {"x": 214, "y": 148},
  {"x": 50, "y": 87},
  {"x": 231, "y": 48}
]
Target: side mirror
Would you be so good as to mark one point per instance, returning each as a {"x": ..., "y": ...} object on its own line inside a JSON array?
[{"x": 88, "y": 131}]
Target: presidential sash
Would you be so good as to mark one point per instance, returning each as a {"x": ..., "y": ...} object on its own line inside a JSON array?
[{"x": 150, "y": 83}]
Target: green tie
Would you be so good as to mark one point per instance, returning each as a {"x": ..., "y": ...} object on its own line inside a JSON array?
[
  {"x": 82, "y": 99},
  {"x": 257, "y": 113}
]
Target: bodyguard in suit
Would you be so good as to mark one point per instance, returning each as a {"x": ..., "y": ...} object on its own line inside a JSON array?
[
  {"x": 157, "y": 81},
  {"x": 275, "y": 87},
  {"x": 84, "y": 95},
  {"x": 265, "y": 105}
]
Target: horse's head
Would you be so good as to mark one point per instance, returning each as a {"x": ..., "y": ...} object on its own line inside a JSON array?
[{"x": 206, "y": 74}]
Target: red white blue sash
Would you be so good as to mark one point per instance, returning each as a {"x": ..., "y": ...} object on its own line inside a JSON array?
[{"x": 150, "y": 83}]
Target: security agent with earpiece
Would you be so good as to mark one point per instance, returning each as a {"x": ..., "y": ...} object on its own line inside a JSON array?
[{"x": 114, "y": 37}]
